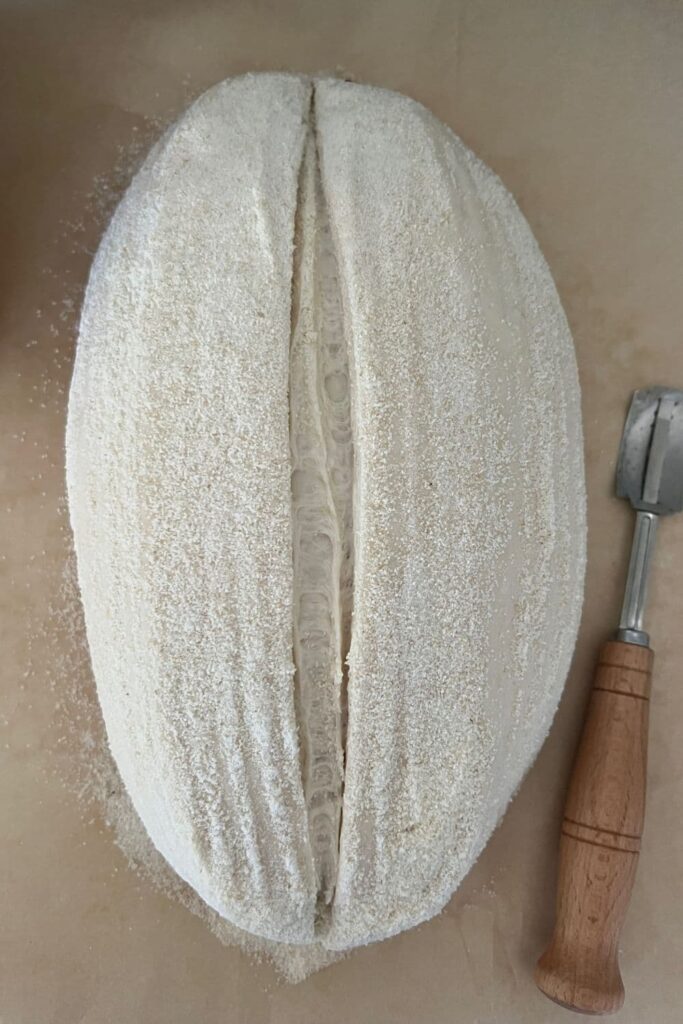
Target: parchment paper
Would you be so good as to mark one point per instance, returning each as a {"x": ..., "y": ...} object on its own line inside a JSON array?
[{"x": 578, "y": 107}]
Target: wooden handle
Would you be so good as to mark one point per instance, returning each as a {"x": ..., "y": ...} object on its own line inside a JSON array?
[{"x": 600, "y": 839}]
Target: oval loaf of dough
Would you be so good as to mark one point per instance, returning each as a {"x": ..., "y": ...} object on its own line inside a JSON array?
[{"x": 325, "y": 476}]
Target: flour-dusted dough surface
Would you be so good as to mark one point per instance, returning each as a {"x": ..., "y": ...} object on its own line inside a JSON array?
[{"x": 468, "y": 523}]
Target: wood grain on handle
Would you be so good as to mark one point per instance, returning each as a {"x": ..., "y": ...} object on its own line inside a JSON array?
[{"x": 600, "y": 838}]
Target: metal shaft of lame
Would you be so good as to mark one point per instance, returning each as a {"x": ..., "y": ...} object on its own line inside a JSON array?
[{"x": 631, "y": 621}]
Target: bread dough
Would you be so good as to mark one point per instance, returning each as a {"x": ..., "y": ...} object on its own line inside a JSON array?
[{"x": 328, "y": 504}]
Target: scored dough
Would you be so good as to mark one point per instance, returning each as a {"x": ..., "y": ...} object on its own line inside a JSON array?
[{"x": 325, "y": 402}]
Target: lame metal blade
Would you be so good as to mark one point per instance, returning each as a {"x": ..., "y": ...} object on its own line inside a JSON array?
[{"x": 650, "y": 465}]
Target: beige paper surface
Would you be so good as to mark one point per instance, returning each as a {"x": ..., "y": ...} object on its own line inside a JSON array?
[{"x": 578, "y": 106}]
